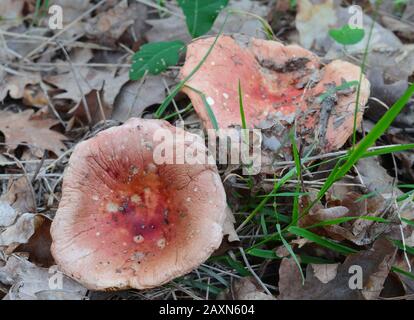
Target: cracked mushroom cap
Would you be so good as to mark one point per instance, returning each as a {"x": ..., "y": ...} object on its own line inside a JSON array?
[
  {"x": 278, "y": 82},
  {"x": 125, "y": 222}
]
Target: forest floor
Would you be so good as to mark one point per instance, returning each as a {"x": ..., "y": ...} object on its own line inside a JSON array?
[{"x": 59, "y": 87}]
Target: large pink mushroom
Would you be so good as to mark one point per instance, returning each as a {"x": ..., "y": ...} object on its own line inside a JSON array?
[
  {"x": 125, "y": 221},
  {"x": 280, "y": 83}
]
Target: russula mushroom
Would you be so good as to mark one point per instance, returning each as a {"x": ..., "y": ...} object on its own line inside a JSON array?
[
  {"x": 126, "y": 222},
  {"x": 279, "y": 82}
]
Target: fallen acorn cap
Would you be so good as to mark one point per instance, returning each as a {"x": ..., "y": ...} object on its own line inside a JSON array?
[
  {"x": 126, "y": 222},
  {"x": 279, "y": 83}
]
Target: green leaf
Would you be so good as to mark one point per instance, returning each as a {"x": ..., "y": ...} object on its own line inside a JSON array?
[
  {"x": 155, "y": 58},
  {"x": 321, "y": 241},
  {"x": 201, "y": 14},
  {"x": 347, "y": 35}
]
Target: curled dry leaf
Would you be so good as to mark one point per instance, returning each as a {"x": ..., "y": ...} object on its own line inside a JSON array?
[
  {"x": 38, "y": 246},
  {"x": 19, "y": 128},
  {"x": 17, "y": 223},
  {"x": 19, "y": 196},
  {"x": 228, "y": 227},
  {"x": 135, "y": 97},
  {"x": 108, "y": 26},
  {"x": 375, "y": 264},
  {"x": 14, "y": 85},
  {"x": 29, "y": 282},
  {"x": 20, "y": 231},
  {"x": 375, "y": 199},
  {"x": 351, "y": 204}
]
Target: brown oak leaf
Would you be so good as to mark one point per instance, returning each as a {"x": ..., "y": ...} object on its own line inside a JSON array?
[{"x": 19, "y": 128}]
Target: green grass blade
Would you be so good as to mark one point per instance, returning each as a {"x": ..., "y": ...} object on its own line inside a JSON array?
[
  {"x": 202, "y": 286},
  {"x": 360, "y": 150},
  {"x": 291, "y": 252},
  {"x": 242, "y": 115},
  {"x": 409, "y": 222},
  {"x": 261, "y": 253},
  {"x": 321, "y": 241},
  {"x": 236, "y": 265},
  {"x": 298, "y": 165},
  {"x": 403, "y": 272},
  {"x": 337, "y": 221},
  {"x": 210, "y": 112},
  {"x": 400, "y": 245}
]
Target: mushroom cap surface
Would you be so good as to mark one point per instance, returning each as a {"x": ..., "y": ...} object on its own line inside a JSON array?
[
  {"x": 278, "y": 82},
  {"x": 126, "y": 222}
]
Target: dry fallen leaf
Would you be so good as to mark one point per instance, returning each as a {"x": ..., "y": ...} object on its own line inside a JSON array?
[
  {"x": 19, "y": 128},
  {"x": 38, "y": 246},
  {"x": 7, "y": 214},
  {"x": 325, "y": 272},
  {"x": 14, "y": 85},
  {"x": 12, "y": 10},
  {"x": 17, "y": 222},
  {"x": 133, "y": 98},
  {"x": 228, "y": 228},
  {"x": 29, "y": 282},
  {"x": 375, "y": 264},
  {"x": 86, "y": 82},
  {"x": 19, "y": 196},
  {"x": 107, "y": 27},
  {"x": 314, "y": 19},
  {"x": 245, "y": 288},
  {"x": 313, "y": 22},
  {"x": 21, "y": 231}
]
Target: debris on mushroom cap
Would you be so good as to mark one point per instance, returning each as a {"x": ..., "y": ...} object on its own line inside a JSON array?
[
  {"x": 279, "y": 83},
  {"x": 125, "y": 222}
]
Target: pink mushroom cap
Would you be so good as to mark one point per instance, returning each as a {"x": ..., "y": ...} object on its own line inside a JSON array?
[
  {"x": 278, "y": 81},
  {"x": 126, "y": 222}
]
